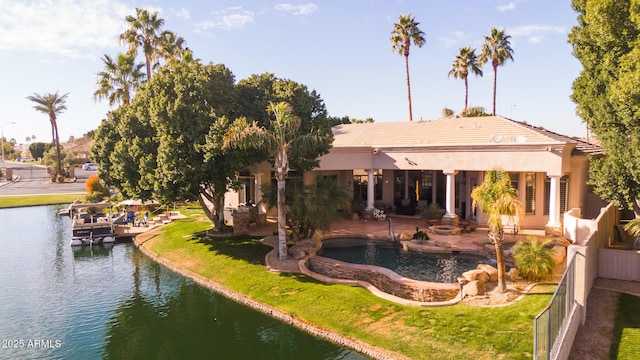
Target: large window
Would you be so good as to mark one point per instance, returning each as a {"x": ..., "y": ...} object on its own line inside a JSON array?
[{"x": 530, "y": 193}]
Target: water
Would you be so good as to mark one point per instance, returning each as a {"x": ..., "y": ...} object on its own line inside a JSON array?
[
  {"x": 57, "y": 303},
  {"x": 432, "y": 267}
]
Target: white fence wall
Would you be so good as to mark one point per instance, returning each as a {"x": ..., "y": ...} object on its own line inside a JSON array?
[{"x": 619, "y": 264}]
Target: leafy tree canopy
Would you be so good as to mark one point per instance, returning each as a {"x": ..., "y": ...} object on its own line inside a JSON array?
[{"x": 607, "y": 93}]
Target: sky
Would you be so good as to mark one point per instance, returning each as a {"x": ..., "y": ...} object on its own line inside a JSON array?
[{"x": 339, "y": 48}]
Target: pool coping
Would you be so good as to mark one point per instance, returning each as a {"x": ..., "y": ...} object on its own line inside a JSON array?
[{"x": 302, "y": 265}]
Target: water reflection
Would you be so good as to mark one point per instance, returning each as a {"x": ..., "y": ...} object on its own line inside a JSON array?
[{"x": 116, "y": 303}]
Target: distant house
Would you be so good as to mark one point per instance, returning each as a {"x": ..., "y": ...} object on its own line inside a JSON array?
[{"x": 412, "y": 164}]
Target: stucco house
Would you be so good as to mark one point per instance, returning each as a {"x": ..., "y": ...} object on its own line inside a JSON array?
[{"x": 411, "y": 164}]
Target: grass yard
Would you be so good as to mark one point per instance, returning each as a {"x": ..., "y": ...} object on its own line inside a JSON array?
[
  {"x": 626, "y": 330},
  {"x": 455, "y": 332},
  {"x": 33, "y": 200}
]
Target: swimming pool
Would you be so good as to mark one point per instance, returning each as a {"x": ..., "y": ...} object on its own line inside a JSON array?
[{"x": 431, "y": 267}]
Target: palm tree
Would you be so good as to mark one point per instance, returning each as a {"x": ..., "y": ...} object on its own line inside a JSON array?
[
  {"x": 465, "y": 62},
  {"x": 496, "y": 47},
  {"x": 119, "y": 80},
  {"x": 496, "y": 197},
  {"x": 282, "y": 138},
  {"x": 404, "y": 32},
  {"x": 446, "y": 113},
  {"x": 52, "y": 105},
  {"x": 145, "y": 32}
]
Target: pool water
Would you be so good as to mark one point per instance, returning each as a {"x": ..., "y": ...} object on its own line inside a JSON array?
[{"x": 432, "y": 267}]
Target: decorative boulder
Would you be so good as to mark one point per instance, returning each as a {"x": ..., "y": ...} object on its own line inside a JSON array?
[
  {"x": 560, "y": 241},
  {"x": 405, "y": 236},
  {"x": 558, "y": 253},
  {"x": 473, "y": 275},
  {"x": 473, "y": 288},
  {"x": 297, "y": 253},
  {"x": 490, "y": 270}
]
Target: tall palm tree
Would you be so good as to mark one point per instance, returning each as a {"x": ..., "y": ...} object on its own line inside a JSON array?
[
  {"x": 52, "y": 105},
  {"x": 497, "y": 48},
  {"x": 282, "y": 138},
  {"x": 406, "y": 31},
  {"x": 145, "y": 32},
  {"x": 119, "y": 80},
  {"x": 496, "y": 197},
  {"x": 465, "y": 62}
]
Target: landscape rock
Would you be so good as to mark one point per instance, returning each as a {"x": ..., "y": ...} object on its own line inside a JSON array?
[
  {"x": 476, "y": 275},
  {"x": 560, "y": 241},
  {"x": 405, "y": 236},
  {"x": 473, "y": 288},
  {"x": 558, "y": 253},
  {"x": 513, "y": 274},
  {"x": 490, "y": 270}
]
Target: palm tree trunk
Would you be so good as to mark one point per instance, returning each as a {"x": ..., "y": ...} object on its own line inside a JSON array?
[
  {"x": 148, "y": 61},
  {"x": 495, "y": 81},
  {"x": 466, "y": 92},
  {"x": 282, "y": 219},
  {"x": 497, "y": 241},
  {"x": 406, "y": 66},
  {"x": 57, "y": 140}
]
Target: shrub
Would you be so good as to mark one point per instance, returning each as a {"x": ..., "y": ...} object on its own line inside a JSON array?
[
  {"x": 95, "y": 188},
  {"x": 533, "y": 258},
  {"x": 420, "y": 235}
]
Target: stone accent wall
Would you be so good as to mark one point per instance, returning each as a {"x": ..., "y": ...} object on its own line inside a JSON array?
[
  {"x": 245, "y": 219},
  {"x": 384, "y": 279}
]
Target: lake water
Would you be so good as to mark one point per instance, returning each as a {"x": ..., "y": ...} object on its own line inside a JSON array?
[{"x": 59, "y": 303}]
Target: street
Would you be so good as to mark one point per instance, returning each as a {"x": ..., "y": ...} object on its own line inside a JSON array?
[{"x": 33, "y": 180}]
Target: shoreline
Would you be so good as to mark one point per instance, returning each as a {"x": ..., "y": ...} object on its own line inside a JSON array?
[{"x": 142, "y": 242}]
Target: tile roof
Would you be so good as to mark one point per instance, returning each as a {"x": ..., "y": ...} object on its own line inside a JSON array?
[{"x": 454, "y": 131}]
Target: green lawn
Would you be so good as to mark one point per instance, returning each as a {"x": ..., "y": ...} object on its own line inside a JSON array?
[
  {"x": 33, "y": 200},
  {"x": 626, "y": 330},
  {"x": 455, "y": 332}
]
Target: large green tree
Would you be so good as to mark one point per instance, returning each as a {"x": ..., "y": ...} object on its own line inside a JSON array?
[
  {"x": 52, "y": 105},
  {"x": 145, "y": 32},
  {"x": 283, "y": 140},
  {"x": 607, "y": 94},
  {"x": 166, "y": 144},
  {"x": 119, "y": 80},
  {"x": 496, "y": 197},
  {"x": 497, "y": 48},
  {"x": 405, "y": 32},
  {"x": 465, "y": 62}
]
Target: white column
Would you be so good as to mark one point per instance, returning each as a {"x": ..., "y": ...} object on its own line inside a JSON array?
[
  {"x": 554, "y": 202},
  {"x": 370, "y": 189},
  {"x": 258, "y": 193},
  {"x": 451, "y": 195}
]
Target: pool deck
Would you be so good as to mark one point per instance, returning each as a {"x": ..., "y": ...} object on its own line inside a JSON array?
[{"x": 474, "y": 242}]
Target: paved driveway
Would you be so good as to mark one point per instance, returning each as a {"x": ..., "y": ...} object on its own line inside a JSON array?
[{"x": 33, "y": 180}]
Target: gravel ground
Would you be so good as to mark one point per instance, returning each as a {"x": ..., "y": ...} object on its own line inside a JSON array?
[{"x": 593, "y": 340}]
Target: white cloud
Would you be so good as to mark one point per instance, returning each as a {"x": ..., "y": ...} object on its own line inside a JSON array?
[
  {"x": 452, "y": 39},
  {"x": 227, "y": 19},
  {"x": 535, "y": 33},
  {"x": 181, "y": 13},
  {"x": 71, "y": 28},
  {"x": 506, "y": 7},
  {"x": 304, "y": 9}
]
